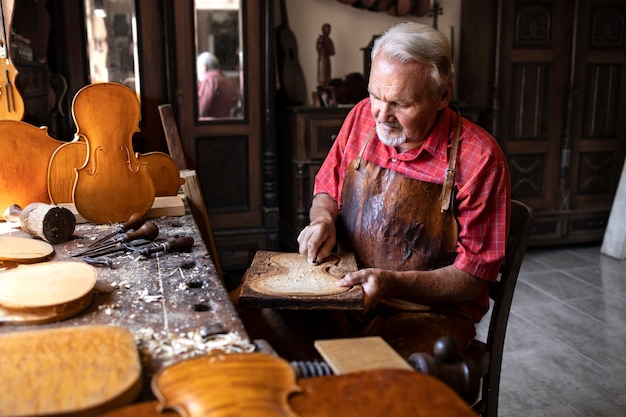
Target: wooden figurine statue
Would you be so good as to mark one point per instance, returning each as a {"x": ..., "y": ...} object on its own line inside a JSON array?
[{"x": 325, "y": 49}]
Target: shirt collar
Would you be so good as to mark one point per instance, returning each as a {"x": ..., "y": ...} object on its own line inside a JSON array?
[{"x": 441, "y": 136}]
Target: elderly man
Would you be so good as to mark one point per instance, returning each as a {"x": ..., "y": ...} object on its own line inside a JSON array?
[
  {"x": 420, "y": 195},
  {"x": 218, "y": 95}
]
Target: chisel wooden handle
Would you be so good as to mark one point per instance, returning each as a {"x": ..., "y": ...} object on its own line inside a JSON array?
[
  {"x": 180, "y": 243},
  {"x": 135, "y": 221},
  {"x": 148, "y": 231}
]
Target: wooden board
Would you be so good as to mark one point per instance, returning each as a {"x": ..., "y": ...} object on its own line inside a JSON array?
[
  {"x": 24, "y": 250},
  {"x": 76, "y": 371},
  {"x": 359, "y": 354},
  {"x": 259, "y": 291},
  {"x": 45, "y": 292},
  {"x": 162, "y": 206}
]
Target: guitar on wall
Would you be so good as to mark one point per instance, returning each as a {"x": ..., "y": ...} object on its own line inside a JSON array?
[
  {"x": 11, "y": 103},
  {"x": 290, "y": 75}
]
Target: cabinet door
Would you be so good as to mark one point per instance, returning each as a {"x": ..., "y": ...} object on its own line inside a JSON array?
[
  {"x": 598, "y": 127},
  {"x": 535, "y": 53},
  {"x": 233, "y": 153}
]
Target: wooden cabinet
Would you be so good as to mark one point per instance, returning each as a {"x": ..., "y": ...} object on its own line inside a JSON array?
[
  {"x": 550, "y": 76},
  {"x": 306, "y": 135}
]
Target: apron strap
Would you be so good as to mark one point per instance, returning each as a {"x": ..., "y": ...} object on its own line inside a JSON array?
[
  {"x": 357, "y": 162},
  {"x": 448, "y": 183}
]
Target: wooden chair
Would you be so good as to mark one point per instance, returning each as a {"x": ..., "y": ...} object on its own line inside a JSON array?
[
  {"x": 483, "y": 360},
  {"x": 488, "y": 355},
  {"x": 191, "y": 187}
]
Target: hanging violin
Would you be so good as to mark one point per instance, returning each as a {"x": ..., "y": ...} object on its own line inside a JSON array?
[{"x": 11, "y": 102}]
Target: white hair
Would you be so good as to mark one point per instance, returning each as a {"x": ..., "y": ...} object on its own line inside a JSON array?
[
  {"x": 206, "y": 61},
  {"x": 416, "y": 42}
]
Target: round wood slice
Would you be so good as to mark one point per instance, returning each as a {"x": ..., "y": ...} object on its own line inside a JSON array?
[
  {"x": 74, "y": 371},
  {"x": 293, "y": 275},
  {"x": 24, "y": 250},
  {"x": 46, "y": 284},
  {"x": 42, "y": 315}
]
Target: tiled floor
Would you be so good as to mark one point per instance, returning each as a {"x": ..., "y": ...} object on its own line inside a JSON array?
[{"x": 565, "y": 350}]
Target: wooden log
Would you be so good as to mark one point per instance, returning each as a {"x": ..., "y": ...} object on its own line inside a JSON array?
[{"x": 53, "y": 224}]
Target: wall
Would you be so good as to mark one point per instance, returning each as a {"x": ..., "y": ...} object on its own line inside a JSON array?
[{"x": 351, "y": 30}]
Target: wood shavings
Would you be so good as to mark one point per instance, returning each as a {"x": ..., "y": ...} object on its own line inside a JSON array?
[
  {"x": 108, "y": 308},
  {"x": 144, "y": 296},
  {"x": 171, "y": 348}
]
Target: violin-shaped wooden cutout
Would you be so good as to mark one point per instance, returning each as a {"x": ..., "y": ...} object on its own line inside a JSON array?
[
  {"x": 112, "y": 184},
  {"x": 222, "y": 385},
  {"x": 11, "y": 102}
]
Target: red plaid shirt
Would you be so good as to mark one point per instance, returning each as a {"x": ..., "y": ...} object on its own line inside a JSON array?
[{"x": 482, "y": 182}]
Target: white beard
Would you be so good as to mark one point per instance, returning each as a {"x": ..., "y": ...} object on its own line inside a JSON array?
[{"x": 387, "y": 139}]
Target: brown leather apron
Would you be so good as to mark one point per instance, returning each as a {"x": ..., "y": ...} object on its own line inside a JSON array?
[{"x": 390, "y": 221}]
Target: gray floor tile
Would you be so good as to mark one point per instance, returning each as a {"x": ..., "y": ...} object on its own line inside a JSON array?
[{"x": 560, "y": 285}]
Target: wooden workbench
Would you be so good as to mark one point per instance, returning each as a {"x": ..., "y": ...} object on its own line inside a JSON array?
[{"x": 174, "y": 304}]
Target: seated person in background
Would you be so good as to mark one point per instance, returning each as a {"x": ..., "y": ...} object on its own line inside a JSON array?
[
  {"x": 424, "y": 256},
  {"x": 218, "y": 95}
]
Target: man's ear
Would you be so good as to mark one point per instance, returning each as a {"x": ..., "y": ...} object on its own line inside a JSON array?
[{"x": 446, "y": 95}]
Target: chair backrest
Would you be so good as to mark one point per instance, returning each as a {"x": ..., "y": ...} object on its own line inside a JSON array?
[
  {"x": 195, "y": 200},
  {"x": 501, "y": 292},
  {"x": 191, "y": 187},
  {"x": 172, "y": 137}
]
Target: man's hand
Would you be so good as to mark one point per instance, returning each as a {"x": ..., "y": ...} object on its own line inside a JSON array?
[
  {"x": 442, "y": 285},
  {"x": 317, "y": 240},
  {"x": 376, "y": 284}
]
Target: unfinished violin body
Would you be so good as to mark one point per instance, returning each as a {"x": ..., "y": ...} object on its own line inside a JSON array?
[
  {"x": 26, "y": 150},
  {"x": 163, "y": 171},
  {"x": 222, "y": 385},
  {"x": 112, "y": 184}
]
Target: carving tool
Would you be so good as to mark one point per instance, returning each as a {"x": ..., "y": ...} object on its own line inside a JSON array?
[
  {"x": 147, "y": 231},
  {"x": 135, "y": 221},
  {"x": 118, "y": 247},
  {"x": 177, "y": 244}
]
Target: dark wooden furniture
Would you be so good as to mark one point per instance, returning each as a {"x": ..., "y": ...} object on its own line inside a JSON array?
[
  {"x": 306, "y": 135},
  {"x": 550, "y": 77}
]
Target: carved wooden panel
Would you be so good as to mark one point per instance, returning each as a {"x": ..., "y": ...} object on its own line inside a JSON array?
[
  {"x": 593, "y": 170},
  {"x": 533, "y": 25},
  {"x": 602, "y": 96},
  {"x": 223, "y": 165},
  {"x": 530, "y": 109},
  {"x": 527, "y": 175},
  {"x": 607, "y": 26}
]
